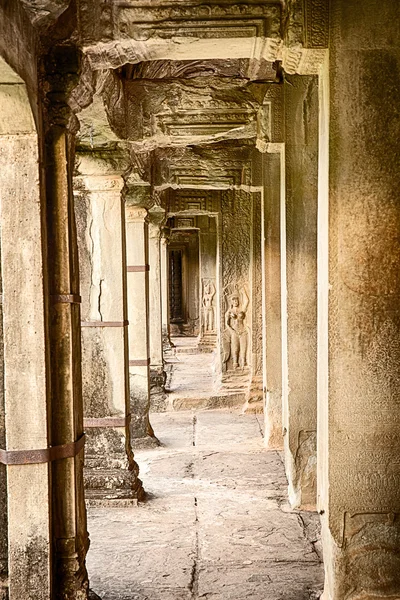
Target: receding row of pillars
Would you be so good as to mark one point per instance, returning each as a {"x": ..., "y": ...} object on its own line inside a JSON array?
[{"x": 331, "y": 303}]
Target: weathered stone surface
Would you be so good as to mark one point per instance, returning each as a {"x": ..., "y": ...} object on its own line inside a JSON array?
[
  {"x": 138, "y": 316},
  {"x": 3, "y": 472},
  {"x": 110, "y": 472},
  {"x": 300, "y": 400},
  {"x": 192, "y": 381},
  {"x": 272, "y": 342},
  {"x": 359, "y": 385},
  {"x": 216, "y": 524},
  {"x": 27, "y": 523},
  {"x": 157, "y": 374}
]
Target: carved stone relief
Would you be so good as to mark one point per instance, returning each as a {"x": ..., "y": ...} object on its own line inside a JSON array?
[
  {"x": 208, "y": 305},
  {"x": 236, "y": 336},
  {"x": 235, "y": 247}
]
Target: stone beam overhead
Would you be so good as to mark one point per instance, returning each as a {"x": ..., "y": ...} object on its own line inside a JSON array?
[
  {"x": 181, "y": 112},
  {"x": 155, "y": 113},
  {"x": 218, "y": 166},
  {"x": 241, "y": 68},
  {"x": 125, "y": 32}
]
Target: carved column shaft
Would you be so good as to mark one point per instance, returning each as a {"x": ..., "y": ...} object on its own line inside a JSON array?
[
  {"x": 167, "y": 344},
  {"x": 3, "y": 470},
  {"x": 300, "y": 417},
  {"x": 68, "y": 506},
  {"x": 208, "y": 279},
  {"x": 138, "y": 316},
  {"x": 254, "y": 400},
  {"x": 273, "y": 172},
  {"x": 157, "y": 373},
  {"x": 359, "y": 309},
  {"x": 111, "y": 474},
  {"x": 25, "y": 412}
]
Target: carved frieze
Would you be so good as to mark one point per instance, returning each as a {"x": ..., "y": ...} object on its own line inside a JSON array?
[
  {"x": 206, "y": 122},
  {"x": 208, "y": 20},
  {"x": 197, "y": 201},
  {"x": 306, "y": 35},
  {"x": 317, "y": 23}
]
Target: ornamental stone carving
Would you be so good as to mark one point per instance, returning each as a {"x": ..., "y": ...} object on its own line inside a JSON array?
[{"x": 236, "y": 336}]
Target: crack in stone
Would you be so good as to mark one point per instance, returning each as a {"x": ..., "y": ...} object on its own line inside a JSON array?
[
  {"x": 194, "y": 580},
  {"x": 259, "y": 426},
  {"x": 99, "y": 301},
  {"x": 194, "y": 430}
]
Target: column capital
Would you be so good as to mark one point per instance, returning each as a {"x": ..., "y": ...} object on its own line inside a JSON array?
[
  {"x": 138, "y": 194},
  {"x": 136, "y": 214},
  {"x": 99, "y": 183},
  {"x": 156, "y": 217}
]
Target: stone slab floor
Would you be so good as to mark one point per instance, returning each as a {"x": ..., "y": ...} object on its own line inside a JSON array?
[
  {"x": 216, "y": 525},
  {"x": 191, "y": 380}
]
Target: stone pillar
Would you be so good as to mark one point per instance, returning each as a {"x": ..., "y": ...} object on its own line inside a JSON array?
[
  {"x": 235, "y": 298},
  {"x": 208, "y": 283},
  {"x": 300, "y": 417},
  {"x": 157, "y": 373},
  {"x": 359, "y": 309},
  {"x": 24, "y": 409},
  {"x": 3, "y": 471},
  {"x": 138, "y": 316},
  {"x": 167, "y": 343},
  {"x": 273, "y": 186},
  {"x": 111, "y": 474},
  {"x": 254, "y": 397},
  {"x": 68, "y": 504}
]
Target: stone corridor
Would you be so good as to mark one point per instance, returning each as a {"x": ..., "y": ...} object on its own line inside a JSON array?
[{"x": 217, "y": 524}]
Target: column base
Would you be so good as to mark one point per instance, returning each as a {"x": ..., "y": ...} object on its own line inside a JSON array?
[
  {"x": 3, "y": 587},
  {"x": 301, "y": 471},
  {"x": 168, "y": 345},
  {"x": 254, "y": 397},
  {"x": 158, "y": 396},
  {"x": 273, "y": 421},
  {"x": 208, "y": 342},
  {"x": 110, "y": 472},
  {"x": 366, "y": 565},
  {"x": 71, "y": 578}
]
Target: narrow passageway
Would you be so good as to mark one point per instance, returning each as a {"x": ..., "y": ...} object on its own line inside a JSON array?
[
  {"x": 192, "y": 381},
  {"x": 190, "y": 374},
  {"x": 216, "y": 525}
]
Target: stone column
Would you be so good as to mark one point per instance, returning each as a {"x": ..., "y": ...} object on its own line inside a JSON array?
[
  {"x": 300, "y": 417},
  {"x": 111, "y": 474},
  {"x": 138, "y": 316},
  {"x": 273, "y": 186},
  {"x": 68, "y": 505},
  {"x": 359, "y": 308},
  {"x": 167, "y": 343},
  {"x": 157, "y": 373},
  {"x": 208, "y": 283},
  {"x": 254, "y": 397},
  {"x": 3, "y": 471},
  {"x": 25, "y": 524}
]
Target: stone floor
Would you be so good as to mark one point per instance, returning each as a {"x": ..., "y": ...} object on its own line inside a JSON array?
[
  {"x": 216, "y": 525},
  {"x": 192, "y": 382}
]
